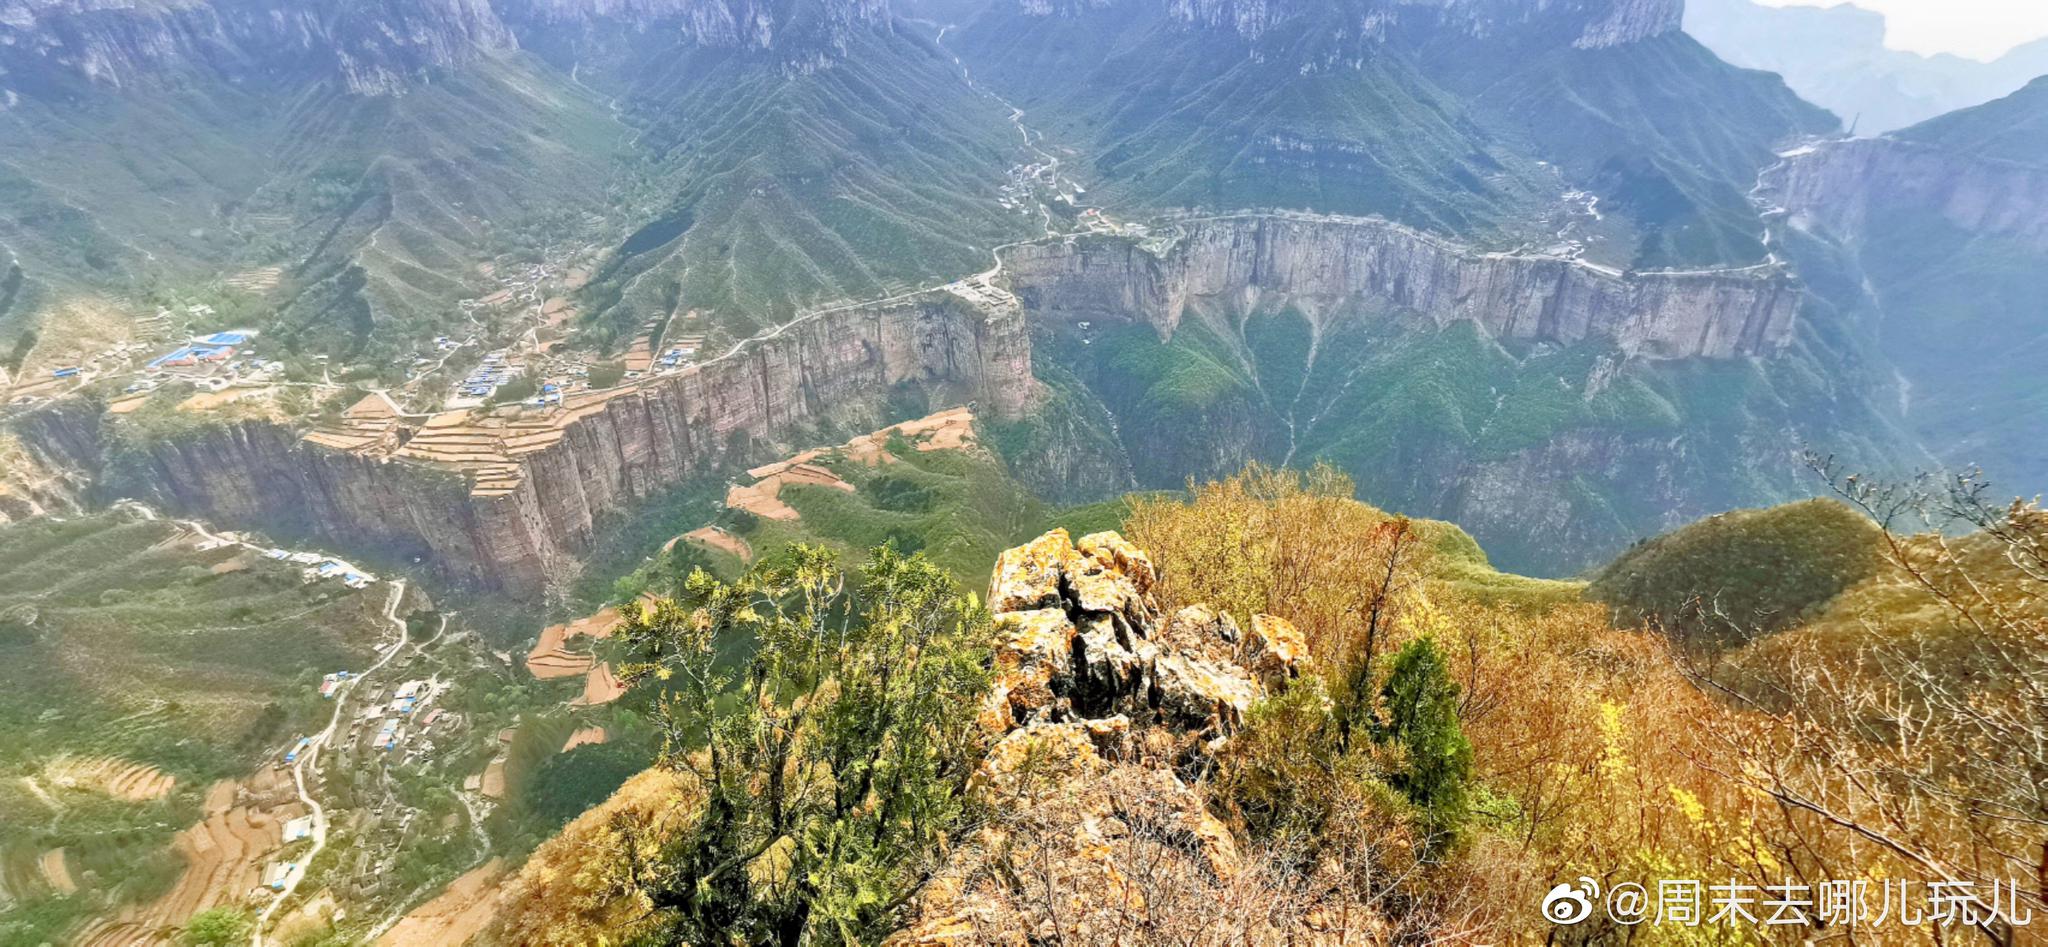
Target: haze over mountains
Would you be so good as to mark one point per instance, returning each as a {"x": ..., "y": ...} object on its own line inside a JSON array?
[{"x": 1835, "y": 56}]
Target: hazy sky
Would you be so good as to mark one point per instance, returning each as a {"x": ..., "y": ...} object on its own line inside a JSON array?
[{"x": 1979, "y": 29}]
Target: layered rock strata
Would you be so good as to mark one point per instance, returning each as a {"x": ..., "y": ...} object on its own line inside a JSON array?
[
  {"x": 369, "y": 48},
  {"x": 1834, "y": 187},
  {"x": 1589, "y": 24},
  {"x": 1342, "y": 267}
]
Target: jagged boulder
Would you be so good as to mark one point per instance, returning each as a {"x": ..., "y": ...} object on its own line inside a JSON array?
[
  {"x": 1081, "y": 638},
  {"x": 1102, "y": 709},
  {"x": 1275, "y": 651}
]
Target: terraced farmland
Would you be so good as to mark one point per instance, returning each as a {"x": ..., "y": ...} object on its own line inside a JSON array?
[{"x": 137, "y": 669}]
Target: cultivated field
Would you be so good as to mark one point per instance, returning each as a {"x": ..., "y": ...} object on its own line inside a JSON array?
[{"x": 140, "y": 673}]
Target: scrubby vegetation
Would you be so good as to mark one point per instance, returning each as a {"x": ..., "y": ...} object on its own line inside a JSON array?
[
  {"x": 1718, "y": 581},
  {"x": 830, "y": 765},
  {"x": 1455, "y": 745}
]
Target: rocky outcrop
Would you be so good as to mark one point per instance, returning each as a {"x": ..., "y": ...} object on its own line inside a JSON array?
[
  {"x": 1834, "y": 187},
  {"x": 1342, "y": 267},
  {"x": 1081, "y": 639},
  {"x": 1101, "y": 706},
  {"x": 751, "y": 24}
]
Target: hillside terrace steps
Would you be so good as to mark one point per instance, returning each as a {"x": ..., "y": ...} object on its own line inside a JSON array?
[{"x": 486, "y": 444}]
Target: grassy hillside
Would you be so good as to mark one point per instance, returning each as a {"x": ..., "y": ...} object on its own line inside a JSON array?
[
  {"x": 774, "y": 187},
  {"x": 2013, "y": 128},
  {"x": 1554, "y": 457},
  {"x": 959, "y": 507},
  {"x": 1957, "y": 311},
  {"x": 723, "y": 182},
  {"x": 1667, "y": 135},
  {"x": 1728, "y": 578},
  {"x": 119, "y": 641},
  {"x": 376, "y": 207},
  {"x": 1175, "y": 117},
  {"x": 1429, "y": 126}
]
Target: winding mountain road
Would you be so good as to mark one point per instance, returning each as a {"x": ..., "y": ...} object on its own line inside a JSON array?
[{"x": 312, "y": 754}]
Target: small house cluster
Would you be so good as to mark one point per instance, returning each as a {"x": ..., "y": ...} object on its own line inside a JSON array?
[
  {"x": 332, "y": 682},
  {"x": 406, "y": 702},
  {"x": 319, "y": 567}
]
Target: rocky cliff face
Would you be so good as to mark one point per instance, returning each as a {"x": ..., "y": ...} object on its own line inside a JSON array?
[
  {"x": 660, "y": 433},
  {"x": 1588, "y": 23},
  {"x": 46, "y": 458},
  {"x": 1326, "y": 266},
  {"x": 1833, "y": 187},
  {"x": 371, "y": 48},
  {"x": 522, "y": 521}
]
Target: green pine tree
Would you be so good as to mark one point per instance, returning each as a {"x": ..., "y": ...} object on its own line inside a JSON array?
[{"x": 1421, "y": 706}]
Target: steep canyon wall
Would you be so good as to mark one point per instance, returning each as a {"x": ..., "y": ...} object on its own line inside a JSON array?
[
  {"x": 595, "y": 460},
  {"x": 1834, "y": 187},
  {"x": 1326, "y": 267},
  {"x": 521, "y": 496}
]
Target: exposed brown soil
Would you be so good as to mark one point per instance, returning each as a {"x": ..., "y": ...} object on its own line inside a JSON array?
[
  {"x": 584, "y": 737},
  {"x": 262, "y": 279},
  {"x": 764, "y": 497},
  {"x": 600, "y": 686},
  {"x": 215, "y": 400},
  {"x": 57, "y": 872},
  {"x": 494, "y": 779},
  {"x": 224, "y": 858},
  {"x": 551, "y": 657},
  {"x": 713, "y": 537},
  {"x": 470, "y": 903},
  {"x": 952, "y": 429}
]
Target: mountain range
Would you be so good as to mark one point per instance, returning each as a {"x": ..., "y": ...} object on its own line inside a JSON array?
[
  {"x": 432, "y": 323},
  {"x": 1835, "y": 56},
  {"x": 722, "y": 167}
]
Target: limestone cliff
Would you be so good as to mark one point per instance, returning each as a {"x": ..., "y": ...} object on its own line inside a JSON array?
[
  {"x": 511, "y": 503},
  {"x": 512, "y": 500},
  {"x": 748, "y": 24},
  {"x": 1834, "y": 187},
  {"x": 1327, "y": 267}
]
